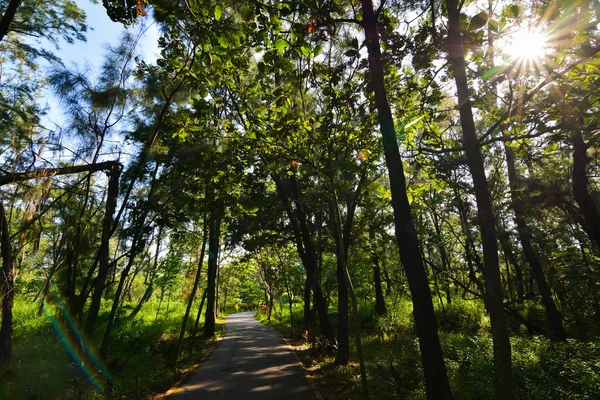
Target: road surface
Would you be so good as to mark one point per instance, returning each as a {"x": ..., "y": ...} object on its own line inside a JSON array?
[{"x": 250, "y": 363}]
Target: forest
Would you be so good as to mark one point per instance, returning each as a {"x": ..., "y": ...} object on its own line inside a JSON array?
[{"x": 407, "y": 191}]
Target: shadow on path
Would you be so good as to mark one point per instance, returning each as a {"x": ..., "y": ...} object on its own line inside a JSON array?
[{"x": 250, "y": 363}]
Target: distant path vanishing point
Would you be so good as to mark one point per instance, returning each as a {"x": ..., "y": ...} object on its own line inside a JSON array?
[{"x": 250, "y": 363}]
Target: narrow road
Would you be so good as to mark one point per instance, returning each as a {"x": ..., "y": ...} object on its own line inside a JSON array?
[{"x": 250, "y": 363}]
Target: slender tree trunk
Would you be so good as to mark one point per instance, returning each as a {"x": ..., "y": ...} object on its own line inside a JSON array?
[
  {"x": 103, "y": 253},
  {"x": 137, "y": 245},
  {"x": 194, "y": 288},
  {"x": 512, "y": 260},
  {"x": 213, "y": 249},
  {"x": 270, "y": 304},
  {"x": 150, "y": 288},
  {"x": 8, "y": 17},
  {"x": 580, "y": 189},
  {"x": 444, "y": 256},
  {"x": 7, "y": 291},
  {"x": 195, "y": 330},
  {"x": 494, "y": 294},
  {"x": 306, "y": 320},
  {"x": 340, "y": 236},
  {"x": 434, "y": 367},
  {"x": 308, "y": 255},
  {"x": 343, "y": 334},
  {"x": 379, "y": 300},
  {"x": 289, "y": 293},
  {"x": 552, "y": 314}
]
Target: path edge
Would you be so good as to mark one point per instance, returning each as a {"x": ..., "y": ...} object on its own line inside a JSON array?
[
  {"x": 193, "y": 369},
  {"x": 310, "y": 379}
]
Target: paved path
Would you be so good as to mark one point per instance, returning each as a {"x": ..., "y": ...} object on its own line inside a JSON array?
[{"x": 250, "y": 363}]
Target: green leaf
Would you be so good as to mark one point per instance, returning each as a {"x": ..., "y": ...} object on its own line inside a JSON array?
[
  {"x": 515, "y": 10},
  {"x": 478, "y": 21},
  {"x": 306, "y": 50},
  {"x": 282, "y": 44},
  {"x": 218, "y": 12},
  {"x": 494, "y": 26},
  {"x": 318, "y": 50}
]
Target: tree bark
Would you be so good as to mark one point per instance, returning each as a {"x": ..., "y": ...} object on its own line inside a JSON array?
[
  {"x": 8, "y": 17},
  {"x": 552, "y": 314},
  {"x": 213, "y": 250},
  {"x": 137, "y": 245},
  {"x": 195, "y": 330},
  {"x": 7, "y": 291},
  {"x": 150, "y": 288},
  {"x": 308, "y": 255},
  {"x": 493, "y": 295},
  {"x": 379, "y": 299},
  {"x": 434, "y": 367},
  {"x": 48, "y": 172},
  {"x": 288, "y": 290},
  {"x": 103, "y": 253},
  {"x": 580, "y": 189},
  {"x": 512, "y": 260},
  {"x": 195, "y": 287},
  {"x": 343, "y": 334}
]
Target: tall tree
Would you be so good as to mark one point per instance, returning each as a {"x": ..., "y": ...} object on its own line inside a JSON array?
[
  {"x": 434, "y": 367},
  {"x": 487, "y": 224}
]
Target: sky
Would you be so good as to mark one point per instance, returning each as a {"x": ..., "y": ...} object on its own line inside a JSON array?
[{"x": 101, "y": 32}]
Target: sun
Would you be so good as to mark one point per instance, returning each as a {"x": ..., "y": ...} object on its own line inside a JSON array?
[{"x": 527, "y": 45}]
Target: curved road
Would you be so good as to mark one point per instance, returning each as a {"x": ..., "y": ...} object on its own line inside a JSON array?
[{"x": 250, "y": 363}]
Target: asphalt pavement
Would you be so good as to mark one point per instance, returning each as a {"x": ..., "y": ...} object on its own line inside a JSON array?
[{"x": 250, "y": 363}]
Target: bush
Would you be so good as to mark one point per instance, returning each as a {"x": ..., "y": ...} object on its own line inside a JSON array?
[{"x": 462, "y": 316}]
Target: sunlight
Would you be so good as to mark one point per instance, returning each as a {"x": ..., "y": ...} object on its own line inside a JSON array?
[{"x": 526, "y": 44}]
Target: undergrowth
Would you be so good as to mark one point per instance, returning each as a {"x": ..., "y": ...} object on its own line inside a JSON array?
[
  {"x": 138, "y": 362},
  {"x": 542, "y": 369}
]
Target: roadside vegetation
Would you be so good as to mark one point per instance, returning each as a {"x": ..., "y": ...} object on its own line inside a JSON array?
[
  {"x": 140, "y": 366},
  {"x": 543, "y": 369}
]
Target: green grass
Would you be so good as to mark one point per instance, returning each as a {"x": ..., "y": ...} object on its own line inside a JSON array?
[
  {"x": 542, "y": 369},
  {"x": 138, "y": 360}
]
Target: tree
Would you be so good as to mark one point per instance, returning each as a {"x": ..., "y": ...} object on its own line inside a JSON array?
[{"x": 431, "y": 353}]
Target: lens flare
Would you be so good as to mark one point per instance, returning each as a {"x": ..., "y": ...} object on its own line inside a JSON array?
[{"x": 75, "y": 344}]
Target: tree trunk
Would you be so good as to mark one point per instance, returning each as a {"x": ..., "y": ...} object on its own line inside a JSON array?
[
  {"x": 195, "y": 330},
  {"x": 213, "y": 250},
  {"x": 580, "y": 189},
  {"x": 308, "y": 255},
  {"x": 289, "y": 292},
  {"x": 103, "y": 253},
  {"x": 270, "y": 304},
  {"x": 552, "y": 314},
  {"x": 379, "y": 300},
  {"x": 7, "y": 291},
  {"x": 306, "y": 320},
  {"x": 444, "y": 256},
  {"x": 512, "y": 260},
  {"x": 195, "y": 287},
  {"x": 493, "y": 295},
  {"x": 8, "y": 17},
  {"x": 341, "y": 236},
  {"x": 137, "y": 245},
  {"x": 343, "y": 334},
  {"x": 150, "y": 288},
  {"x": 434, "y": 367}
]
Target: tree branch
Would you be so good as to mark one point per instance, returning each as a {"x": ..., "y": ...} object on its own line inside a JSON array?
[{"x": 49, "y": 172}]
